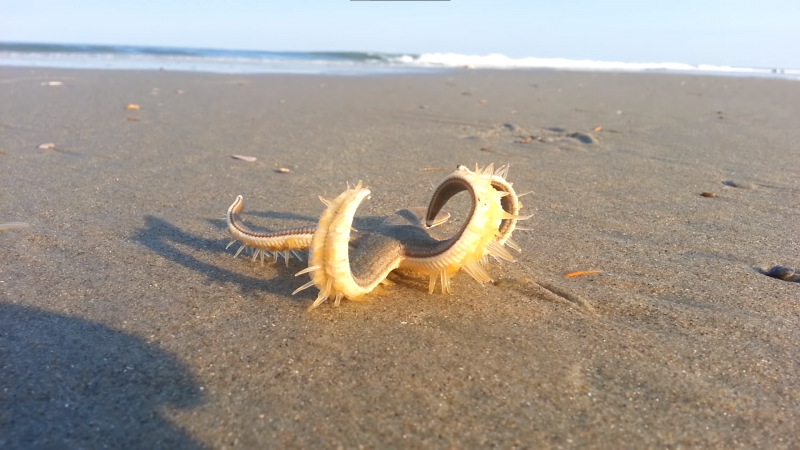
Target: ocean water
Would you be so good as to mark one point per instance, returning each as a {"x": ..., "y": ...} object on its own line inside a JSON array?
[{"x": 330, "y": 63}]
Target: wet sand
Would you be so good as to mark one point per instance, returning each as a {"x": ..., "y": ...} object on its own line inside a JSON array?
[{"x": 125, "y": 321}]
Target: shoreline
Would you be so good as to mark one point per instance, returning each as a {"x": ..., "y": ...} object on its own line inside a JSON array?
[{"x": 301, "y": 69}]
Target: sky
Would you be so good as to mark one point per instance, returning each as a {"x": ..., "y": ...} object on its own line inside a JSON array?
[{"x": 764, "y": 33}]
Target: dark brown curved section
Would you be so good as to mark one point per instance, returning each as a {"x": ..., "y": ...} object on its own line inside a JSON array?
[{"x": 444, "y": 192}]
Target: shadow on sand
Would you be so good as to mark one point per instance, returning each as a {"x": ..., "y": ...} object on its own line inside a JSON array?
[
  {"x": 69, "y": 383},
  {"x": 166, "y": 240}
]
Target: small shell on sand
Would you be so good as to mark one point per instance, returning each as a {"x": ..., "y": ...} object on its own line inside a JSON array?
[
  {"x": 244, "y": 158},
  {"x": 784, "y": 273},
  {"x": 580, "y": 273},
  {"x": 52, "y": 83},
  {"x": 13, "y": 225},
  {"x": 282, "y": 170},
  {"x": 708, "y": 194},
  {"x": 132, "y": 107},
  {"x": 47, "y": 146}
]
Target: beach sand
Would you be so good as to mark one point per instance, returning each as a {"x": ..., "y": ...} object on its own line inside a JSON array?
[{"x": 125, "y": 321}]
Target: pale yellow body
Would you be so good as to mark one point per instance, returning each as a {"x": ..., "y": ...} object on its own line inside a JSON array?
[{"x": 329, "y": 262}]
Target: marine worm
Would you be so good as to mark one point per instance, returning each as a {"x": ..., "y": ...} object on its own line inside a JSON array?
[{"x": 343, "y": 266}]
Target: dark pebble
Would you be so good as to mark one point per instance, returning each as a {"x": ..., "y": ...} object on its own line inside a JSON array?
[
  {"x": 583, "y": 137},
  {"x": 784, "y": 273}
]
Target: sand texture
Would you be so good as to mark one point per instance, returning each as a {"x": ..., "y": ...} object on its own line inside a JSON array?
[{"x": 125, "y": 322}]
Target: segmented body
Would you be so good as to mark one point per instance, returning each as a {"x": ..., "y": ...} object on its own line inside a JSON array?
[
  {"x": 283, "y": 242},
  {"x": 402, "y": 241}
]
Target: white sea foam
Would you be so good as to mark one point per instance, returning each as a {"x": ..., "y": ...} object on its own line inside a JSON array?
[
  {"x": 344, "y": 63},
  {"x": 498, "y": 61},
  {"x": 228, "y": 63}
]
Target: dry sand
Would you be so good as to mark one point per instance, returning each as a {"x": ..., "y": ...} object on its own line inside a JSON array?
[{"x": 125, "y": 322}]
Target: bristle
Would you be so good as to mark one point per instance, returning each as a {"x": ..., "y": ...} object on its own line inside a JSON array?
[
  {"x": 325, "y": 201},
  {"x": 495, "y": 248},
  {"x": 432, "y": 284},
  {"x": 262, "y": 257},
  {"x": 445, "y": 279},
  {"x": 468, "y": 268},
  {"x": 513, "y": 245},
  {"x": 323, "y": 294},
  {"x": 502, "y": 172},
  {"x": 297, "y": 255},
  {"x": 286, "y": 257},
  {"x": 255, "y": 255},
  {"x": 476, "y": 271},
  {"x": 523, "y": 229},
  {"x": 229, "y": 244},
  {"x": 337, "y": 299},
  {"x": 239, "y": 251},
  {"x": 303, "y": 287},
  {"x": 522, "y": 195},
  {"x": 516, "y": 217},
  {"x": 307, "y": 269},
  {"x": 317, "y": 302},
  {"x": 274, "y": 257},
  {"x": 440, "y": 218}
]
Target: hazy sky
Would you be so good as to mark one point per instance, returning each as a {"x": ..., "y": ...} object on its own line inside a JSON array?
[{"x": 763, "y": 33}]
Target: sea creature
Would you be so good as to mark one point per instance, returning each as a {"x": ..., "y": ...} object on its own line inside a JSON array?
[{"x": 345, "y": 266}]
